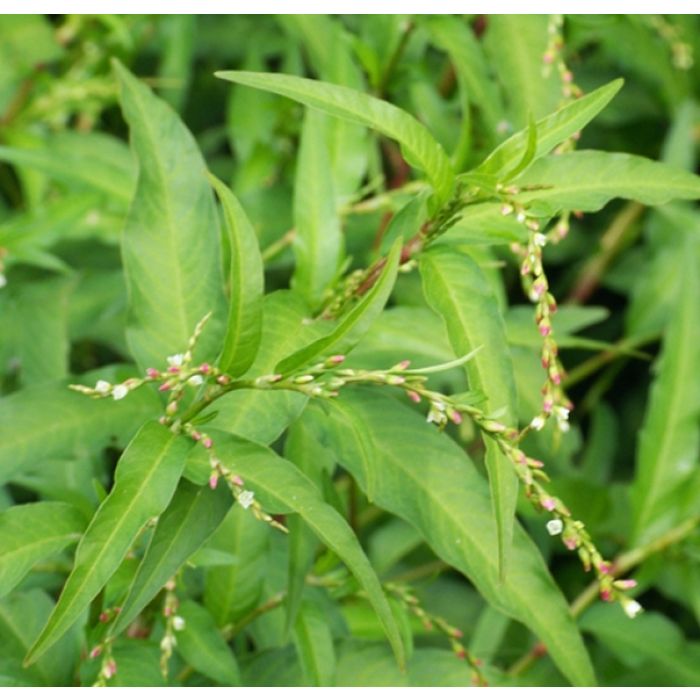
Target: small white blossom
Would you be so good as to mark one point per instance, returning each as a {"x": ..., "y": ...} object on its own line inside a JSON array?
[
  {"x": 167, "y": 643},
  {"x": 178, "y": 623},
  {"x": 119, "y": 392},
  {"x": 103, "y": 387},
  {"x": 562, "y": 412},
  {"x": 3, "y": 280},
  {"x": 555, "y": 527},
  {"x": 539, "y": 239},
  {"x": 176, "y": 360},
  {"x": 537, "y": 423},
  {"x": 246, "y": 499},
  {"x": 631, "y": 607},
  {"x": 196, "y": 380}
]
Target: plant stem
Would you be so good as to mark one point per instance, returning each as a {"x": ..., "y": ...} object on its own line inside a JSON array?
[
  {"x": 274, "y": 249},
  {"x": 622, "y": 564},
  {"x": 619, "y": 235},
  {"x": 593, "y": 364}
]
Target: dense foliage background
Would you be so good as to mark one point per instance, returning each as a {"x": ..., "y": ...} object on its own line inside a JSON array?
[{"x": 111, "y": 255}]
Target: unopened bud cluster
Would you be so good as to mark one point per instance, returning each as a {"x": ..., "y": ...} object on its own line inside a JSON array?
[
  {"x": 173, "y": 623},
  {"x": 432, "y": 622},
  {"x": 555, "y": 403},
  {"x": 108, "y": 667}
]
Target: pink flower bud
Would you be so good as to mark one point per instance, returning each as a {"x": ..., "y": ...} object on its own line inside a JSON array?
[
  {"x": 174, "y": 370},
  {"x": 153, "y": 373},
  {"x": 548, "y": 503},
  {"x": 213, "y": 480},
  {"x": 195, "y": 435},
  {"x": 204, "y": 368},
  {"x": 567, "y": 76},
  {"x": 413, "y": 395},
  {"x": 570, "y": 543},
  {"x": 96, "y": 651},
  {"x": 222, "y": 379},
  {"x": 548, "y": 58},
  {"x": 110, "y": 669},
  {"x": 625, "y": 584},
  {"x": 547, "y": 406},
  {"x": 207, "y": 442},
  {"x": 606, "y": 595},
  {"x": 455, "y": 417},
  {"x": 237, "y": 480},
  {"x": 545, "y": 329},
  {"x": 404, "y": 364},
  {"x": 336, "y": 359},
  {"x": 104, "y": 616},
  {"x": 164, "y": 386}
]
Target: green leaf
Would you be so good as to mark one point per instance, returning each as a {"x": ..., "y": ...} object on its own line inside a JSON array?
[
  {"x": 172, "y": 220},
  {"x": 233, "y": 590},
  {"x": 144, "y": 482},
  {"x": 22, "y": 615},
  {"x": 420, "y": 148},
  {"x": 314, "y": 644},
  {"x": 515, "y": 45},
  {"x": 669, "y": 440},
  {"x": 331, "y": 54},
  {"x": 650, "y": 638},
  {"x": 32, "y": 532},
  {"x": 588, "y": 180},
  {"x": 246, "y": 280},
  {"x": 201, "y": 645},
  {"x": 281, "y": 487},
  {"x": 261, "y": 416},
  {"x": 429, "y": 481},
  {"x": 455, "y": 288},
  {"x": 50, "y": 420},
  {"x": 475, "y": 83},
  {"x": 97, "y": 161},
  {"x": 355, "y": 323},
  {"x": 318, "y": 243},
  {"x": 192, "y": 516},
  {"x": 552, "y": 130},
  {"x": 41, "y": 323}
]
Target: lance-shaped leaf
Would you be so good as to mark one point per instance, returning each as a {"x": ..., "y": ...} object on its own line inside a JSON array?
[
  {"x": 144, "y": 482},
  {"x": 246, "y": 282},
  {"x": 419, "y": 147},
  {"x": 476, "y": 85},
  {"x": 32, "y": 532},
  {"x": 191, "y": 518},
  {"x": 318, "y": 243},
  {"x": 202, "y": 646},
  {"x": 588, "y": 180},
  {"x": 668, "y": 444},
  {"x": 50, "y": 420},
  {"x": 551, "y": 130},
  {"x": 515, "y": 45},
  {"x": 170, "y": 245},
  {"x": 429, "y": 481},
  {"x": 93, "y": 160},
  {"x": 456, "y": 289},
  {"x": 282, "y": 488},
  {"x": 314, "y": 644},
  {"x": 355, "y": 323}
]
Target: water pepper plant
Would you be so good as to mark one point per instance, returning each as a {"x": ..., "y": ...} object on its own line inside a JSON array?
[{"x": 303, "y": 399}]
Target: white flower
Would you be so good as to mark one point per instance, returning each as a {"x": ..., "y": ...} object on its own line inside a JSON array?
[
  {"x": 196, "y": 380},
  {"x": 119, "y": 392},
  {"x": 3, "y": 280},
  {"x": 631, "y": 607},
  {"x": 555, "y": 527},
  {"x": 176, "y": 360},
  {"x": 539, "y": 239},
  {"x": 167, "y": 643},
  {"x": 537, "y": 423},
  {"x": 103, "y": 387},
  {"x": 178, "y": 623},
  {"x": 246, "y": 498},
  {"x": 562, "y": 412}
]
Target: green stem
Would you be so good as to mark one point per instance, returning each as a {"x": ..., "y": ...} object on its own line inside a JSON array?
[{"x": 593, "y": 364}]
